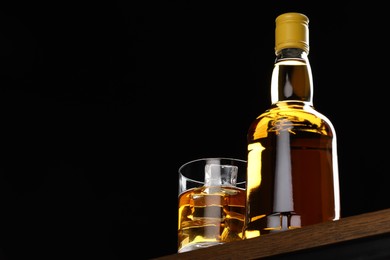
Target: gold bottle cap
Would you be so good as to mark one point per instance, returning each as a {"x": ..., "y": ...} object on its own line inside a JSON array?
[{"x": 292, "y": 31}]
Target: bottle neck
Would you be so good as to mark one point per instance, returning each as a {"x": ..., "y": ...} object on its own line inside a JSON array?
[{"x": 292, "y": 77}]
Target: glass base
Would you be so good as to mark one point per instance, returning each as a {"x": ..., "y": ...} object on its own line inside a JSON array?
[{"x": 196, "y": 246}]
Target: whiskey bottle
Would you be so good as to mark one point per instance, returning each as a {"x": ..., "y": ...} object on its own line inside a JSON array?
[{"x": 292, "y": 177}]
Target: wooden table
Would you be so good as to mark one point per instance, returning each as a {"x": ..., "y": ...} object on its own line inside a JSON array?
[{"x": 365, "y": 236}]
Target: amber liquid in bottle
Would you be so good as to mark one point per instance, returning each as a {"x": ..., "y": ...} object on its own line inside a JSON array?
[{"x": 292, "y": 178}]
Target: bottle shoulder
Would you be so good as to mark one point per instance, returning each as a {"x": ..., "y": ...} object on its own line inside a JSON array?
[{"x": 292, "y": 117}]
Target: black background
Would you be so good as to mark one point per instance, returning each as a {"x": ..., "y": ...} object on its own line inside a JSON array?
[{"x": 101, "y": 102}]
